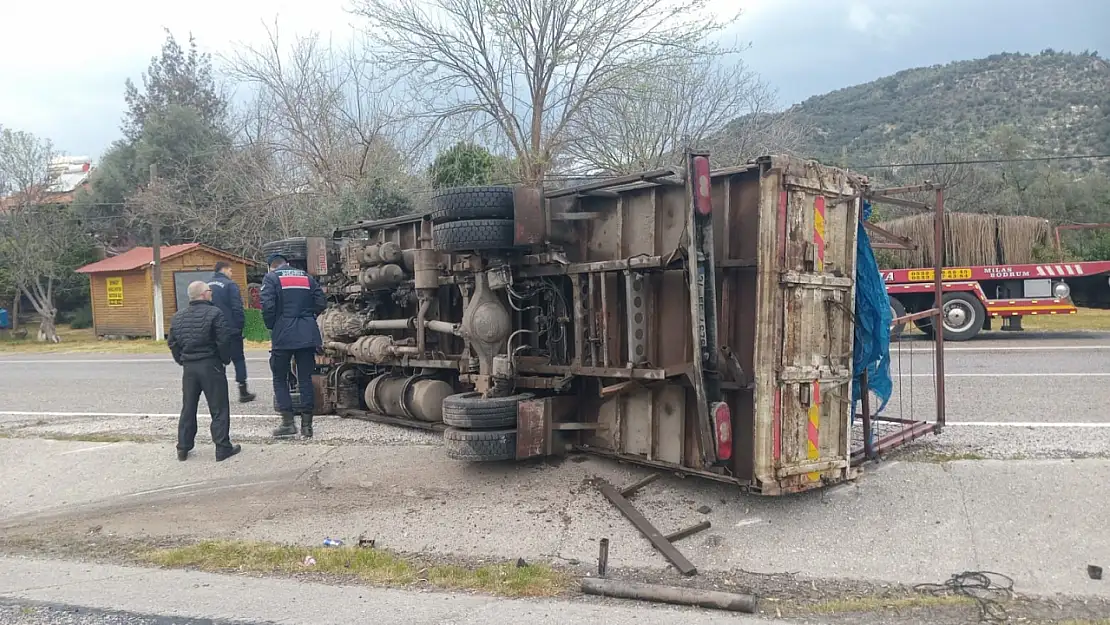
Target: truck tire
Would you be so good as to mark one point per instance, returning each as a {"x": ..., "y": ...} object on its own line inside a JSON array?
[
  {"x": 480, "y": 446},
  {"x": 462, "y": 203},
  {"x": 471, "y": 411},
  {"x": 963, "y": 317},
  {"x": 295, "y": 248},
  {"x": 473, "y": 235},
  {"x": 897, "y": 310}
]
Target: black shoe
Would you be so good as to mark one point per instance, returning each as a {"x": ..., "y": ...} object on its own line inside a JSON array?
[
  {"x": 288, "y": 427},
  {"x": 220, "y": 457},
  {"x": 306, "y": 425},
  {"x": 245, "y": 396},
  {"x": 182, "y": 455}
]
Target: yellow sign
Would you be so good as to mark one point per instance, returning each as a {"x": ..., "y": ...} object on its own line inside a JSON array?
[
  {"x": 926, "y": 275},
  {"x": 115, "y": 292}
]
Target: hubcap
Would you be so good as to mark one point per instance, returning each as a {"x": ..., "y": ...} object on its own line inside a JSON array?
[{"x": 958, "y": 316}]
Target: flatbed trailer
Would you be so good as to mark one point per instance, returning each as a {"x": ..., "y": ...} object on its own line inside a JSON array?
[{"x": 977, "y": 295}]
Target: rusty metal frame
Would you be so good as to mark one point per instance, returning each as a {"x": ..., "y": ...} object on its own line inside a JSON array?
[
  {"x": 910, "y": 429},
  {"x": 1057, "y": 229},
  {"x": 662, "y": 542}
]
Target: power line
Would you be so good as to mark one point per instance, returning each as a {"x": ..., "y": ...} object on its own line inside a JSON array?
[{"x": 990, "y": 161}]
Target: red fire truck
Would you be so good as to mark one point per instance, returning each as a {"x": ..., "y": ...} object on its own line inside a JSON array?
[{"x": 975, "y": 296}]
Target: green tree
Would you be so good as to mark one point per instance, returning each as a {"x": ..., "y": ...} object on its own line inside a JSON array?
[
  {"x": 373, "y": 200},
  {"x": 177, "y": 77},
  {"x": 177, "y": 121},
  {"x": 462, "y": 165}
]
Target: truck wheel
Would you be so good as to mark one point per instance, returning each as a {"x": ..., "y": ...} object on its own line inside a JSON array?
[
  {"x": 963, "y": 316},
  {"x": 472, "y": 203},
  {"x": 473, "y": 235},
  {"x": 480, "y": 446},
  {"x": 295, "y": 248},
  {"x": 471, "y": 411},
  {"x": 897, "y": 310}
]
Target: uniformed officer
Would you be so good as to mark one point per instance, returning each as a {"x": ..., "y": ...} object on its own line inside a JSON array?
[
  {"x": 291, "y": 300},
  {"x": 226, "y": 297}
]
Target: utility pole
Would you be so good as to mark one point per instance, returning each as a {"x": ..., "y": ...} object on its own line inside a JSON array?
[{"x": 156, "y": 234}]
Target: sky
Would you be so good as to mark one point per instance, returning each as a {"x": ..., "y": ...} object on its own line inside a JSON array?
[{"x": 63, "y": 63}]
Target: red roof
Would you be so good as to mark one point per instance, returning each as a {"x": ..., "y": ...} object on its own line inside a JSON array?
[{"x": 141, "y": 257}]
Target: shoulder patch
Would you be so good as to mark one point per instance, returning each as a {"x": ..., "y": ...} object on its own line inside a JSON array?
[{"x": 294, "y": 282}]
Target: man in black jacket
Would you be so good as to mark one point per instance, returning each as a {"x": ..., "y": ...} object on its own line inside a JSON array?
[
  {"x": 202, "y": 343},
  {"x": 226, "y": 297}
]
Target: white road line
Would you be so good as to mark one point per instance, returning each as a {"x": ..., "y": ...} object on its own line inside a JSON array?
[
  {"x": 174, "y": 415},
  {"x": 97, "y": 361},
  {"x": 1030, "y": 348},
  {"x": 84, "y": 449},
  {"x": 166, "y": 489},
  {"x": 1007, "y": 375},
  {"x": 1025, "y": 424}
]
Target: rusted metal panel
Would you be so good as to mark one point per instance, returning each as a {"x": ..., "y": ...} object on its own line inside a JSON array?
[
  {"x": 529, "y": 217},
  {"x": 531, "y": 428}
]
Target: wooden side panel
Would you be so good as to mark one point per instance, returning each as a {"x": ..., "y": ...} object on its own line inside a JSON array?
[
  {"x": 131, "y": 319},
  {"x": 817, "y": 218}
]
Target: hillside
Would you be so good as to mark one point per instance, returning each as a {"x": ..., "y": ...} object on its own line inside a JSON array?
[{"x": 1057, "y": 103}]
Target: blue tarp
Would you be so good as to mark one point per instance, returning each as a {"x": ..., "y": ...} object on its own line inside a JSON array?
[{"x": 871, "y": 351}]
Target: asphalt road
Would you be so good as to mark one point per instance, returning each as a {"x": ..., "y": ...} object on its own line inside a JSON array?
[
  {"x": 1038, "y": 399},
  {"x": 1000, "y": 380}
]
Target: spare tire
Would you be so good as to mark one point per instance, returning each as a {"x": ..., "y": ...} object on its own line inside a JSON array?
[
  {"x": 462, "y": 203},
  {"x": 295, "y": 248},
  {"x": 480, "y": 446},
  {"x": 473, "y": 412},
  {"x": 473, "y": 235}
]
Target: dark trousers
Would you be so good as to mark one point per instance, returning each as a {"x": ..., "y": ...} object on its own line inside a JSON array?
[
  {"x": 239, "y": 359},
  {"x": 208, "y": 377},
  {"x": 280, "y": 360}
]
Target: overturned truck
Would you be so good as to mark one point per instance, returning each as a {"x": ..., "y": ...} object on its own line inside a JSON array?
[{"x": 693, "y": 320}]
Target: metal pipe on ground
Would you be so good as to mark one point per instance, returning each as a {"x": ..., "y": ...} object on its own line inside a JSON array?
[{"x": 711, "y": 599}]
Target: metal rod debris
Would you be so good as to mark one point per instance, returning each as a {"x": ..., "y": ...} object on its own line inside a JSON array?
[
  {"x": 603, "y": 557},
  {"x": 652, "y": 533},
  {"x": 668, "y": 594},
  {"x": 631, "y": 489},
  {"x": 689, "y": 531}
]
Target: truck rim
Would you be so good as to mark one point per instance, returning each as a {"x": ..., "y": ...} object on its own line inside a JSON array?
[{"x": 958, "y": 316}]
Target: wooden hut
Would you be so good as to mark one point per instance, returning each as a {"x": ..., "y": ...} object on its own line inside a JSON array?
[{"x": 122, "y": 286}]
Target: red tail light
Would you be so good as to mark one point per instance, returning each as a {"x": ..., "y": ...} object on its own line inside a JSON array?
[
  {"x": 722, "y": 423},
  {"x": 703, "y": 200}
]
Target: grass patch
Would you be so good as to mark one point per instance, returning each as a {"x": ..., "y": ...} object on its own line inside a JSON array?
[
  {"x": 878, "y": 604},
  {"x": 1085, "y": 319},
  {"x": 85, "y": 341},
  {"x": 374, "y": 566}
]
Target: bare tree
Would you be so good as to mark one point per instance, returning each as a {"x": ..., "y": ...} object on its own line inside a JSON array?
[
  {"x": 37, "y": 238},
  {"x": 327, "y": 117},
  {"x": 725, "y": 108},
  {"x": 529, "y": 67}
]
